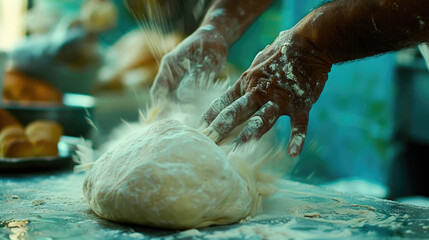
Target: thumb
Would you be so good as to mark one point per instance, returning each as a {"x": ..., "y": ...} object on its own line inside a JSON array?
[
  {"x": 159, "y": 90},
  {"x": 158, "y": 94},
  {"x": 187, "y": 87}
]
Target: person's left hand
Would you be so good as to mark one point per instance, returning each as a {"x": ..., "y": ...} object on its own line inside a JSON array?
[
  {"x": 201, "y": 56},
  {"x": 285, "y": 78}
]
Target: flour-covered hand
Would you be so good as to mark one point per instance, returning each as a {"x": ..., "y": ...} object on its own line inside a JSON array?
[
  {"x": 201, "y": 55},
  {"x": 286, "y": 78}
]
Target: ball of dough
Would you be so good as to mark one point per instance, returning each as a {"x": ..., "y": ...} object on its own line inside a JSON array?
[{"x": 167, "y": 175}]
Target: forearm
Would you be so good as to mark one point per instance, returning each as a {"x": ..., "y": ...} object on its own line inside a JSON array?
[
  {"x": 345, "y": 30},
  {"x": 230, "y": 18}
]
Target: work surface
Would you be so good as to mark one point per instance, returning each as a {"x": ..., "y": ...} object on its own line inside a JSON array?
[{"x": 52, "y": 206}]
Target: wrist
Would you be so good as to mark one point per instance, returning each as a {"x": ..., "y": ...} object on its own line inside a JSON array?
[
  {"x": 232, "y": 18},
  {"x": 308, "y": 52},
  {"x": 218, "y": 32},
  {"x": 346, "y": 30},
  {"x": 212, "y": 33},
  {"x": 314, "y": 40}
]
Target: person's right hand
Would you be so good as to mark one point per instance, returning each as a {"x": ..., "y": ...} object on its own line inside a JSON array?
[
  {"x": 286, "y": 78},
  {"x": 201, "y": 55}
]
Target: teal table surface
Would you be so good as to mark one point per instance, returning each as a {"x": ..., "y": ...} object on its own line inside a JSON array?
[{"x": 51, "y": 205}]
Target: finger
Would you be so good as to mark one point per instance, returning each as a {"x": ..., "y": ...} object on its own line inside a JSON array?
[
  {"x": 218, "y": 105},
  {"x": 194, "y": 82},
  {"x": 260, "y": 123},
  {"x": 232, "y": 116},
  {"x": 158, "y": 93},
  {"x": 298, "y": 132},
  {"x": 166, "y": 80},
  {"x": 186, "y": 89}
]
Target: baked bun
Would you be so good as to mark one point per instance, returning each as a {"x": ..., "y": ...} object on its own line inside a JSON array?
[
  {"x": 18, "y": 86},
  {"x": 44, "y": 135},
  {"x": 7, "y": 119},
  {"x": 14, "y": 143}
]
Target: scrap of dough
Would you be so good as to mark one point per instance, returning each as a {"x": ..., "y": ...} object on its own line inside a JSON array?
[{"x": 169, "y": 175}]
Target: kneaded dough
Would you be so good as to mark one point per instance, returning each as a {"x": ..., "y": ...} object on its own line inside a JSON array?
[{"x": 169, "y": 175}]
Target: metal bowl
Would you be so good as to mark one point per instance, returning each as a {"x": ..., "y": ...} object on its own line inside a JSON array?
[{"x": 74, "y": 114}]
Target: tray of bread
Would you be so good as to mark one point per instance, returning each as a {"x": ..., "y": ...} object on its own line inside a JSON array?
[
  {"x": 38, "y": 144},
  {"x": 37, "y": 120},
  {"x": 28, "y": 99}
]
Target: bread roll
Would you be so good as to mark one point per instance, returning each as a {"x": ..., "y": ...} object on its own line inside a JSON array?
[
  {"x": 20, "y": 87},
  {"x": 7, "y": 119},
  {"x": 138, "y": 52},
  {"x": 99, "y": 15},
  {"x": 44, "y": 135},
  {"x": 14, "y": 142}
]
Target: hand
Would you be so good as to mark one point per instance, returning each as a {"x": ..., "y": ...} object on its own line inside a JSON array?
[
  {"x": 200, "y": 56},
  {"x": 286, "y": 78}
]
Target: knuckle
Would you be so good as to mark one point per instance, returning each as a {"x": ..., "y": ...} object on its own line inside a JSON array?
[
  {"x": 275, "y": 108},
  {"x": 153, "y": 90},
  {"x": 255, "y": 122},
  {"x": 218, "y": 104},
  {"x": 230, "y": 112},
  {"x": 187, "y": 81},
  {"x": 167, "y": 60},
  {"x": 261, "y": 91},
  {"x": 270, "y": 114},
  {"x": 208, "y": 116},
  {"x": 244, "y": 74}
]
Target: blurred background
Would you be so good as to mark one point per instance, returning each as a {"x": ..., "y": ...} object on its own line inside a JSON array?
[{"x": 368, "y": 132}]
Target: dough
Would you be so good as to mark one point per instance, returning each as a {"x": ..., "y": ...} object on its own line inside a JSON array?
[
  {"x": 169, "y": 175},
  {"x": 163, "y": 172}
]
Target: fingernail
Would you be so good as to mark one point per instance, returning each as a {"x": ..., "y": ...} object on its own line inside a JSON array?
[
  {"x": 203, "y": 126},
  {"x": 296, "y": 143},
  {"x": 212, "y": 134}
]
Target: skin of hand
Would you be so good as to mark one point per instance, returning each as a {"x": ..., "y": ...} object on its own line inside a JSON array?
[
  {"x": 288, "y": 76},
  {"x": 285, "y": 78},
  {"x": 201, "y": 55}
]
